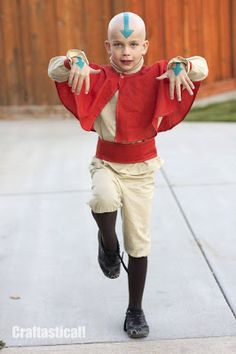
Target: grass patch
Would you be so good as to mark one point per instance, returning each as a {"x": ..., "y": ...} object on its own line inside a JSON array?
[
  {"x": 217, "y": 112},
  {"x": 2, "y": 344}
]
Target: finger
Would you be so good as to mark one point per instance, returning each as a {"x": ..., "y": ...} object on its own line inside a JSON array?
[
  {"x": 71, "y": 77},
  {"x": 93, "y": 71},
  {"x": 80, "y": 84},
  {"x": 186, "y": 85},
  {"x": 178, "y": 91},
  {"x": 190, "y": 82},
  {"x": 172, "y": 88},
  {"x": 75, "y": 82},
  {"x": 163, "y": 76},
  {"x": 87, "y": 84}
]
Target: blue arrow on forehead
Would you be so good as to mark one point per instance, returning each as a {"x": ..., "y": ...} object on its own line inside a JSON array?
[{"x": 126, "y": 32}]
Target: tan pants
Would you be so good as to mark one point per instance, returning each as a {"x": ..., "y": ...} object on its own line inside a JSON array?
[{"x": 129, "y": 187}]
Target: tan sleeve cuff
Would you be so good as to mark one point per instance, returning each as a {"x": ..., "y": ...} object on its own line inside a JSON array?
[
  {"x": 182, "y": 60},
  {"x": 72, "y": 53}
]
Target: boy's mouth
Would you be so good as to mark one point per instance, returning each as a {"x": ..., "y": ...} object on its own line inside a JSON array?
[{"x": 126, "y": 62}]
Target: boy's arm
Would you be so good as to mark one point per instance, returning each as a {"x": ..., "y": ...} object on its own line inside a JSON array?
[{"x": 195, "y": 66}]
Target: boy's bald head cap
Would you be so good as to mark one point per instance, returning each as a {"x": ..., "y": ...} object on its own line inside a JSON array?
[{"x": 136, "y": 23}]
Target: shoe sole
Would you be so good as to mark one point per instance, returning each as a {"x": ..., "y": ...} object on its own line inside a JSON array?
[
  {"x": 134, "y": 333},
  {"x": 137, "y": 334},
  {"x": 108, "y": 275}
]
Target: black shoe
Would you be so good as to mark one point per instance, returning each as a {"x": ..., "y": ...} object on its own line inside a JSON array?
[
  {"x": 108, "y": 261},
  {"x": 135, "y": 324}
]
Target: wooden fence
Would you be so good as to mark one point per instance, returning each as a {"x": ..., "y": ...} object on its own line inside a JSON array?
[{"x": 33, "y": 31}]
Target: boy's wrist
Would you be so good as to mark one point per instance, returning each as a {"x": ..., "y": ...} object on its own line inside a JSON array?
[
  {"x": 181, "y": 60},
  {"x": 73, "y": 55}
]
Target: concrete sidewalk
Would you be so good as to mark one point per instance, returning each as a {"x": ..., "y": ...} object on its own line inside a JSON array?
[
  {"x": 48, "y": 268},
  {"x": 216, "y": 345}
]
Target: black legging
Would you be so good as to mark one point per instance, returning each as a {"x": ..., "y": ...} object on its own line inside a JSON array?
[{"x": 137, "y": 267}]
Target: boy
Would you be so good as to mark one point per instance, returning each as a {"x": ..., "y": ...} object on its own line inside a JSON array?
[{"x": 127, "y": 104}]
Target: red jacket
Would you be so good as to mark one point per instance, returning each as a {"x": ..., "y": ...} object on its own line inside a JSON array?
[{"x": 141, "y": 100}]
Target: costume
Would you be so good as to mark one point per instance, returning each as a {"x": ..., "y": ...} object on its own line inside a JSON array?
[
  {"x": 126, "y": 158},
  {"x": 142, "y": 100}
]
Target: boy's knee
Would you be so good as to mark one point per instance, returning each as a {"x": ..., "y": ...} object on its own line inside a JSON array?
[
  {"x": 137, "y": 247},
  {"x": 104, "y": 204},
  {"x": 138, "y": 253}
]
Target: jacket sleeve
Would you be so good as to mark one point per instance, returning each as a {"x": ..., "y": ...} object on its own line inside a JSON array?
[
  {"x": 59, "y": 69},
  {"x": 168, "y": 113},
  {"x": 196, "y": 66}
]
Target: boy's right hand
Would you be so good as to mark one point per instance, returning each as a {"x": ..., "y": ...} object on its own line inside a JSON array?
[{"x": 78, "y": 75}]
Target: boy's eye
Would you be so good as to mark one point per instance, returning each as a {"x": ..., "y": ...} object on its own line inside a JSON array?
[
  {"x": 134, "y": 44},
  {"x": 117, "y": 44}
]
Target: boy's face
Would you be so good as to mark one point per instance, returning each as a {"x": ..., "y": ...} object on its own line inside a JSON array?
[{"x": 126, "y": 52}]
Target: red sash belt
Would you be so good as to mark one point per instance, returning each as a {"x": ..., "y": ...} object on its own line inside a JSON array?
[{"x": 126, "y": 153}]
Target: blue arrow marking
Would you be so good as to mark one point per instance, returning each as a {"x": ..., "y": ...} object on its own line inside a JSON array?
[
  {"x": 177, "y": 69},
  {"x": 80, "y": 62},
  {"x": 126, "y": 31}
]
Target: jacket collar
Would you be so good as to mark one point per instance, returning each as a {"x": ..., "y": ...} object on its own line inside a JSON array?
[{"x": 134, "y": 70}]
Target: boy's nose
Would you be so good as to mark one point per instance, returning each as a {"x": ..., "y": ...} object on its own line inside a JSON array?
[{"x": 126, "y": 51}]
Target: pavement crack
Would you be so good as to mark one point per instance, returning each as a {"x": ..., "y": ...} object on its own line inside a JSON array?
[{"x": 197, "y": 242}]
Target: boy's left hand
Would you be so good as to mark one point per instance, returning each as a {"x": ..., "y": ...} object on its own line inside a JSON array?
[{"x": 177, "y": 76}]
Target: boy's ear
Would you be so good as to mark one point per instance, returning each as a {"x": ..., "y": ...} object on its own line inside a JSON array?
[
  {"x": 145, "y": 46},
  {"x": 108, "y": 47}
]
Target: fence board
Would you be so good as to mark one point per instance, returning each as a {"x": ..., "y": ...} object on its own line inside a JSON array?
[
  {"x": 3, "y": 97},
  {"x": 118, "y": 6},
  {"x": 155, "y": 30},
  {"x": 106, "y": 16},
  {"x": 13, "y": 60},
  {"x": 27, "y": 68},
  {"x": 193, "y": 11},
  {"x": 232, "y": 27},
  {"x": 39, "y": 38},
  {"x": 224, "y": 39},
  {"x": 70, "y": 20},
  {"x": 210, "y": 17},
  {"x": 173, "y": 15},
  {"x": 92, "y": 27}
]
